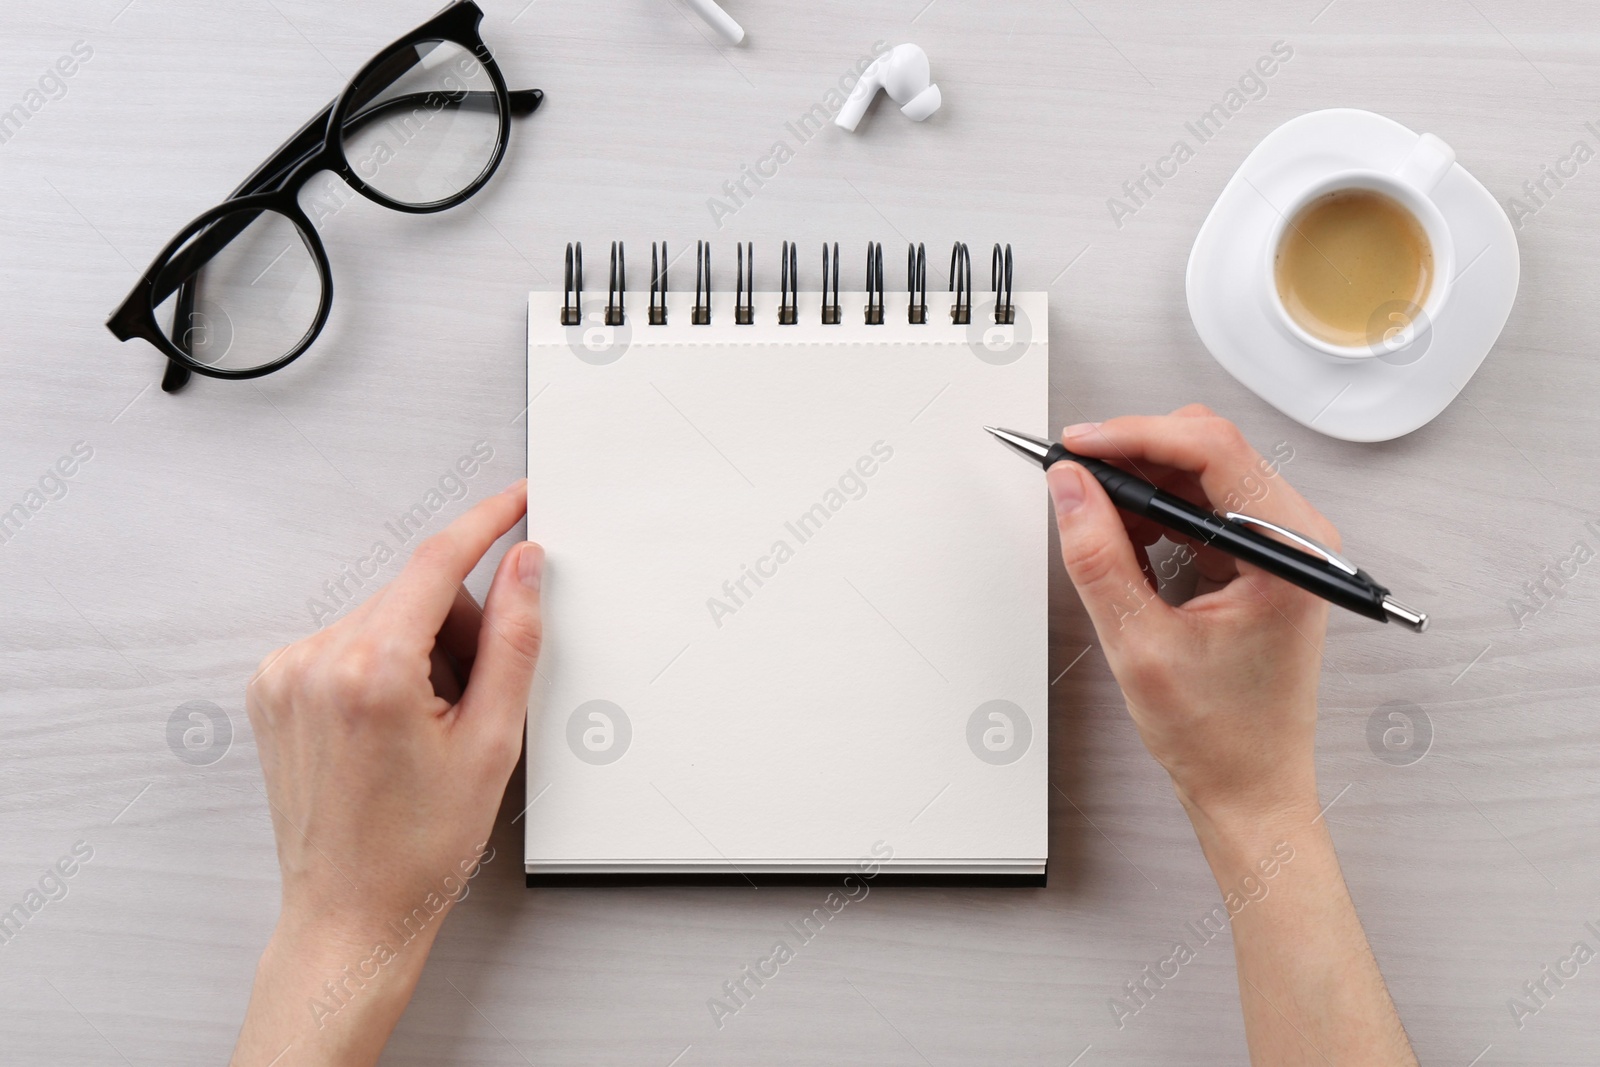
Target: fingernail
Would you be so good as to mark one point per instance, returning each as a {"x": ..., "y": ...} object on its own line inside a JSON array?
[
  {"x": 530, "y": 565},
  {"x": 1078, "y": 429},
  {"x": 1066, "y": 487}
]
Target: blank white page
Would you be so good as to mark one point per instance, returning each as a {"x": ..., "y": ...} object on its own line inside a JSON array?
[{"x": 795, "y": 596}]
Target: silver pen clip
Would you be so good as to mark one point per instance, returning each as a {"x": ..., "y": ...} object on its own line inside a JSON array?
[
  {"x": 1316, "y": 548},
  {"x": 1410, "y": 618}
]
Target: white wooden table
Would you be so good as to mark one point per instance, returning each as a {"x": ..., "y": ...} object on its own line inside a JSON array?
[{"x": 191, "y": 540}]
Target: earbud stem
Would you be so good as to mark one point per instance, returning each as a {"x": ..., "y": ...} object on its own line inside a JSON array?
[
  {"x": 718, "y": 19},
  {"x": 857, "y": 102}
]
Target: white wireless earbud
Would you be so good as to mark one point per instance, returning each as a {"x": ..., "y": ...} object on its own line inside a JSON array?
[
  {"x": 719, "y": 19},
  {"x": 902, "y": 71}
]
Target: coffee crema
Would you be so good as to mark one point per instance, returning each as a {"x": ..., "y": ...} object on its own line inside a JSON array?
[{"x": 1352, "y": 265}]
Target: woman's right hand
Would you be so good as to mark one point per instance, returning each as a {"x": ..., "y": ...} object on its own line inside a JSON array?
[{"x": 1223, "y": 689}]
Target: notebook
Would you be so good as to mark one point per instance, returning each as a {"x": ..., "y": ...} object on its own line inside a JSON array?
[{"x": 795, "y": 595}]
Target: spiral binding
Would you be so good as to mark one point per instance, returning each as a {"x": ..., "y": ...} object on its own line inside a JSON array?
[
  {"x": 572, "y": 288},
  {"x": 744, "y": 300},
  {"x": 789, "y": 305},
  {"x": 916, "y": 284},
  {"x": 658, "y": 285},
  {"x": 617, "y": 292},
  {"x": 744, "y": 312},
  {"x": 831, "y": 315},
  {"x": 961, "y": 284},
  {"x": 702, "y": 284},
  {"x": 1005, "y": 313},
  {"x": 874, "y": 284}
]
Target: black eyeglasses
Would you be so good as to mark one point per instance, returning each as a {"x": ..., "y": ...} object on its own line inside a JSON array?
[{"x": 245, "y": 288}]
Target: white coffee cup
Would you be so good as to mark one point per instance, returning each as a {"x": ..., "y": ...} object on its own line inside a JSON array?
[{"x": 1411, "y": 184}]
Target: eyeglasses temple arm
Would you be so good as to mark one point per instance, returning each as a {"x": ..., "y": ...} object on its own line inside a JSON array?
[
  {"x": 306, "y": 141},
  {"x": 311, "y": 137}
]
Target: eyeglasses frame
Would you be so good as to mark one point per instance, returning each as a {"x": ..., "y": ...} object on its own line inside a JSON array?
[{"x": 275, "y": 186}]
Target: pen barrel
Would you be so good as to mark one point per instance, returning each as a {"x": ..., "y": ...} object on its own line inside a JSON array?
[
  {"x": 1354, "y": 592},
  {"x": 1127, "y": 491}
]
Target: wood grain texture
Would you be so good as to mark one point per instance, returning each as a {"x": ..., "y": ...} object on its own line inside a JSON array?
[{"x": 190, "y": 543}]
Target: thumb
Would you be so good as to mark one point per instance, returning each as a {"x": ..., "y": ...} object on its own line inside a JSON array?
[
  {"x": 508, "y": 642},
  {"x": 1098, "y": 555}
]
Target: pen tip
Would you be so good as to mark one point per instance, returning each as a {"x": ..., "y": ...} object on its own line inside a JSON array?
[{"x": 992, "y": 430}]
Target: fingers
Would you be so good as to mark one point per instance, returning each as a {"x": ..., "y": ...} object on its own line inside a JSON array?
[
  {"x": 1209, "y": 447},
  {"x": 1213, "y": 565},
  {"x": 508, "y": 649},
  {"x": 443, "y": 677},
  {"x": 459, "y": 634},
  {"x": 426, "y": 589},
  {"x": 1099, "y": 557}
]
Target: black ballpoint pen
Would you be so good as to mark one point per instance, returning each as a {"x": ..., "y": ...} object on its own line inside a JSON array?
[{"x": 1313, "y": 567}]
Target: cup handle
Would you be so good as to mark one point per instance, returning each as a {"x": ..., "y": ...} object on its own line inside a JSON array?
[{"x": 1429, "y": 161}]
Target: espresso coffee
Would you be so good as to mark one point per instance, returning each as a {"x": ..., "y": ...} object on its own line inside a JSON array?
[{"x": 1351, "y": 264}]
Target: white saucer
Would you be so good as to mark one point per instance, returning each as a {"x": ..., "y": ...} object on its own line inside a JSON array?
[{"x": 1374, "y": 399}]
